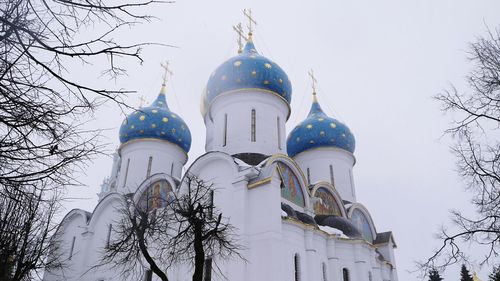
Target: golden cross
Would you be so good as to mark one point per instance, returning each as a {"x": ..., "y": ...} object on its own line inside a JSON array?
[
  {"x": 239, "y": 29},
  {"x": 142, "y": 101},
  {"x": 248, "y": 14},
  {"x": 314, "y": 81},
  {"x": 167, "y": 72}
]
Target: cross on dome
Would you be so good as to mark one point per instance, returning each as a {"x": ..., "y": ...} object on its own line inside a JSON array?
[
  {"x": 239, "y": 29},
  {"x": 314, "y": 81},
  {"x": 142, "y": 101},
  {"x": 251, "y": 22},
  {"x": 166, "y": 66}
]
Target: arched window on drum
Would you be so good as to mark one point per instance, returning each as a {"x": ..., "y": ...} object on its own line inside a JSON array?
[
  {"x": 157, "y": 195},
  {"x": 290, "y": 185},
  {"x": 362, "y": 223},
  {"x": 326, "y": 205}
]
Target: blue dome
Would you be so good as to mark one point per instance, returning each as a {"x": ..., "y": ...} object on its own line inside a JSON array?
[
  {"x": 319, "y": 130},
  {"x": 156, "y": 122},
  {"x": 248, "y": 70}
]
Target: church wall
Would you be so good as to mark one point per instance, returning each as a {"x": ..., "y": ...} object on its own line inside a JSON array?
[
  {"x": 319, "y": 160},
  {"x": 263, "y": 231},
  {"x": 72, "y": 227},
  {"x": 238, "y": 108},
  {"x": 106, "y": 213},
  {"x": 336, "y": 253},
  {"x": 163, "y": 154}
]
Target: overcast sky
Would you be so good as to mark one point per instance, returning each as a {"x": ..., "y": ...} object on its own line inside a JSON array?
[{"x": 378, "y": 65}]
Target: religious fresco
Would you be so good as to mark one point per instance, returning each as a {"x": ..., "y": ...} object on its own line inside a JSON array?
[
  {"x": 361, "y": 222},
  {"x": 327, "y": 205},
  {"x": 158, "y": 195},
  {"x": 290, "y": 186}
]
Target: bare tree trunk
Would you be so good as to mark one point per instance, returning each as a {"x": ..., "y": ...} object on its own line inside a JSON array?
[{"x": 199, "y": 257}]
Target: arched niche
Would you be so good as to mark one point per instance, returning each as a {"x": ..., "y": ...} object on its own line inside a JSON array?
[
  {"x": 361, "y": 218},
  {"x": 292, "y": 181},
  {"x": 327, "y": 200},
  {"x": 155, "y": 191}
]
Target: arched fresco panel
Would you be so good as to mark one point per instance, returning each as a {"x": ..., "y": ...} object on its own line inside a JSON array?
[
  {"x": 290, "y": 186},
  {"x": 361, "y": 221},
  {"x": 157, "y": 195},
  {"x": 327, "y": 205}
]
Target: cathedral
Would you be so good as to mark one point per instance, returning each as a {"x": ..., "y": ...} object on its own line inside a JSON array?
[{"x": 290, "y": 195}]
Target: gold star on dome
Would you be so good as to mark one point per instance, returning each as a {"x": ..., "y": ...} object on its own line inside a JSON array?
[
  {"x": 254, "y": 73},
  {"x": 281, "y": 81},
  {"x": 173, "y": 130},
  {"x": 132, "y": 127},
  {"x": 309, "y": 126},
  {"x": 311, "y": 142},
  {"x": 142, "y": 117},
  {"x": 153, "y": 126},
  {"x": 321, "y": 119},
  {"x": 267, "y": 65},
  {"x": 237, "y": 63},
  {"x": 154, "y": 111},
  {"x": 333, "y": 125},
  {"x": 165, "y": 119},
  {"x": 266, "y": 82},
  {"x": 173, "y": 115},
  {"x": 141, "y": 131},
  {"x": 322, "y": 133}
]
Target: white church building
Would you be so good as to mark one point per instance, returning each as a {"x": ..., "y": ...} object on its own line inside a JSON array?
[{"x": 290, "y": 195}]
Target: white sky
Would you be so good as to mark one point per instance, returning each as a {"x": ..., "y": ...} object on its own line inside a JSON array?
[{"x": 378, "y": 65}]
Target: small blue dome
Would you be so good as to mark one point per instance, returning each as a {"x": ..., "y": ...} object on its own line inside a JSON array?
[
  {"x": 319, "y": 130},
  {"x": 248, "y": 70},
  {"x": 156, "y": 122}
]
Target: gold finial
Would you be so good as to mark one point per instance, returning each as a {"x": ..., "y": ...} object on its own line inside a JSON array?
[
  {"x": 251, "y": 22},
  {"x": 239, "y": 29},
  {"x": 166, "y": 66},
  {"x": 142, "y": 101},
  {"x": 475, "y": 278},
  {"x": 314, "y": 81}
]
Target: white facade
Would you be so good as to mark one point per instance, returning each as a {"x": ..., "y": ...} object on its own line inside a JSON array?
[{"x": 297, "y": 218}]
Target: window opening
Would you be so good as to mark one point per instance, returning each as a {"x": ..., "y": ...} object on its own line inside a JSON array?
[
  {"x": 108, "y": 239},
  {"x": 308, "y": 176},
  {"x": 345, "y": 274},
  {"x": 279, "y": 131},
  {"x": 253, "y": 129},
  {"x": 72, "y": 248},
  {"x": 210, "y": 214},
  {"x": 149, "y": 166},
  {"x": 332, "y": 179},
  {"x": 126, "y": 173},
  {"x": 224, "y": 140},
  {"x": 296, "y": 261}
]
